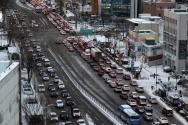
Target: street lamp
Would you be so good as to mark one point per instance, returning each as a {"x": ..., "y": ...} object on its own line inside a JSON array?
[{"x": 47, "y": 110}]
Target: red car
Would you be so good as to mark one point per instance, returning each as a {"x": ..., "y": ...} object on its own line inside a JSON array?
[{"x": 58, "y": 42}]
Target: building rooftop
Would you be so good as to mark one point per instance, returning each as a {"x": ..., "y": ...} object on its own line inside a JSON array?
[{"x": 140, "y": 21}]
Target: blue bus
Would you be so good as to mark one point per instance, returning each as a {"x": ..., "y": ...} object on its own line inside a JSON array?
[{"x": 127, "y": 115}]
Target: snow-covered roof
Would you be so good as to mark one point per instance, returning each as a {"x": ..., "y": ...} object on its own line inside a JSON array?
[
  {"x": 140, "y": 21},
  {"x": 5, "y": 69},
  {"x": 12, "y": 50},
  {"x": 68, "y": 13}
]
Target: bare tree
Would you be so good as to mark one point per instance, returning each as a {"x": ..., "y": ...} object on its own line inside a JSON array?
[{"x": 33, "y": 110}]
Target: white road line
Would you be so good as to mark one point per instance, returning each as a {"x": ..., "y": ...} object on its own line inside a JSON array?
[
  {"x": 96, "y": 118},
  {"x": 20, "y": 4},
  {"x": 45, "y": 21},
  {"x": 42, "y": 21}
]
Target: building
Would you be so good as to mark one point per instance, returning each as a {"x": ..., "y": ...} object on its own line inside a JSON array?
[
  {"x": 119, "y": 8},
  {"x": 141, "y": 24},
  {"x": 175, "y": 38},
  {"x": 156, "y": 7},
  {"x": 9, "y": 90}
]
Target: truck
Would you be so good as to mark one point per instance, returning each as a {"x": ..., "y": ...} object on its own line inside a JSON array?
[
  {"x": 75, "y": 111},
  {"x": 85, "y": 55},
  {"x": 96, "y": 54}
]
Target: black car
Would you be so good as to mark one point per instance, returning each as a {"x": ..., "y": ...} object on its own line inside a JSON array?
[
  {"x": 64, "y": 115},
  {"x": 54, "y": 92},
  {"x": 69, "y": 101},
  {"x": 100, "y": 72},
  {"x": 64, "y": 93},
  {"x": 92, "y": 64},
  {"x": 51, "y": 86},
  {"x": 40, "y": 54},
  {"x": 41, "y": 72},
  {"x": 53, "y": 73},
  {"x": 139, "y": 109}
]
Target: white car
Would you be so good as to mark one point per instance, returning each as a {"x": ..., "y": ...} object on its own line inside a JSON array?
[
  {"x": 49, "y": 69},
  {"x": 131, "y": 102},
  {"x": 104, "y": 76},
  {"x": 162, "y": 120},
  {"x": 81, "y": 122},
  {"x": 125, "y": 88},
  {"x": 61, "y": 85},
  {"x": 45, "y": 77},
  {"x": 41, "y": 88},
  {"x": 53, "y": 116},
  {"x": 56, "y": 79},
  {"x": 59, "y": 103},
  {"x": 153, "y": 100},
  {"x": 119, "y": 70},
  {"x": 139, "y": 89}
]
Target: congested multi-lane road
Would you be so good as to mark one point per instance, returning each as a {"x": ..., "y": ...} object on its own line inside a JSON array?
[{"x": 79, "y": 77}]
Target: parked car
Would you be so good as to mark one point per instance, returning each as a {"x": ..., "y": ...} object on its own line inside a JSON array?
[
  {"x": 131, "y": 102},
  {"x": 59, "y": 103},
  {"x": 133, "y": 83},
  {"x": 64, "y": 115},
  {"x": 53, "y": 117},
  {"x": 153, "y": 100},
  {"x": 148, "y": 116},
  {"x": 167, "y": 69},
  {"x": 119, "y": 82},
  {"x": 162, "y": 120},
  {"x": 118, "y": 89},
  {"x": 139, "y": 109},
  {"x": 167, "y": 111},
  {"x": 155, "y": 123},
  {"x": 41, "y": 88},
  {"x": 126, "y": 76},
  {"x": 125, "y": 88},
  {"x": 139, "y": 89},
  {"x": 124, "y": 95}
]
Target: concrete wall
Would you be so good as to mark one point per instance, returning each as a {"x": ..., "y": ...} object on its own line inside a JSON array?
[
  {"x": 9, "y": 105},
  {"x": 145, "y": 26},
  {"x": 142, "y": 37}
]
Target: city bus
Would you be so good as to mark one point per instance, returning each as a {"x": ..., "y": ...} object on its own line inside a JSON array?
[{"x": 128, "y": 115}]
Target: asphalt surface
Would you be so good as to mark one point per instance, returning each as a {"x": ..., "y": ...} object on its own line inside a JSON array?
[{"x": 76, "y": 73}]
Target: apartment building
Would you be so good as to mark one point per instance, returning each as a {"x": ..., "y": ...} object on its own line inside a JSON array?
[
  {"x": 156, "y": 7},
  {"x": 175, "y": 38}
]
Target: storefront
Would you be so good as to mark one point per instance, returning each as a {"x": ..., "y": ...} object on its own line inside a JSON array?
[{"x": 169, "y": 60}]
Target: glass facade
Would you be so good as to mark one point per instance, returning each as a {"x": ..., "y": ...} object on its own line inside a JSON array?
[{"x": 119, "y": 8}]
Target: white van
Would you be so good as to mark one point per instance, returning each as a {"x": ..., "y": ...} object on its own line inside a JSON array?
[
  {"x": 38, "y": 48},
  {"x": 119, "y": 70},
  {"x": 46, "y": 62},
  {"x": 41, "y": 88}
]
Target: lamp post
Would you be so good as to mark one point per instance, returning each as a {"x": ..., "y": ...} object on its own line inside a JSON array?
[
  {"x": 156, "y": 75},
  {"x": 47, "y": 110}
]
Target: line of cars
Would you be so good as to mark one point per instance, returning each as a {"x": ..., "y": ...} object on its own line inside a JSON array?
[
  {"x": 108, "y": 72},
  {"x": 53, "y": 84}
]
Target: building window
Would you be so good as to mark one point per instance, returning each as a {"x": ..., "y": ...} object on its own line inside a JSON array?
[
  {"x": 187, "y": 32},
  {"x": 139, "y": 48},
  {"x": 161, "y": 8},
  {"x": 159, "y": 15},
  {"x": 148, "y": 7},
  {"x": 88, "y": 1}
]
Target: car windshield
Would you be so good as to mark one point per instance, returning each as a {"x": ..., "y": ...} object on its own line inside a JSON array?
[
  {"x": 53, "y": 116},
  {"x": 134, "y": 117},
  {"x": 153, "y": 98}
]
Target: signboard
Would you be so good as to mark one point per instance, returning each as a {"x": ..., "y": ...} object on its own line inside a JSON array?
[
  {"x": 85, "y": 8},
  {"x": 86, "y": 31},
  {"x": 182, "y": 49}
]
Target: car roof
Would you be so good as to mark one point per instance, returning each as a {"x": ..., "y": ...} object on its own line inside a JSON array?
[
  {"x": 53, "y": 113},
  {"x": 148, "y": 113},
  {"x": 167, "y": 108}
]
